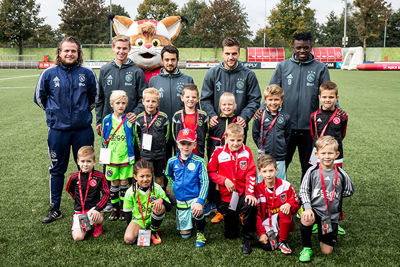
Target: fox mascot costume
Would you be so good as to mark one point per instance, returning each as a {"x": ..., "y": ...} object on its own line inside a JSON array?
[{"x": 148, "y": 37}]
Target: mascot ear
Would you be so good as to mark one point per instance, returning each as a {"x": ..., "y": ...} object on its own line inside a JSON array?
[
  {"x": 121, "y": 24},
  {"x": 173, "y": 25}
]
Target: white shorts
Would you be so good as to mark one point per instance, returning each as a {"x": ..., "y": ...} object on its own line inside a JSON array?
[{"x": 75, "y": 220}]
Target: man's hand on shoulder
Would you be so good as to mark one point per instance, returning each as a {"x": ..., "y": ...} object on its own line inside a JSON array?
[
  {"x": 241, "y": 122},
  {"x": 98, "y": 129},
  {"x": 213, "y": 121},
  {"x": 257, "y": 114},
  {"x": 131, "y": 117}
]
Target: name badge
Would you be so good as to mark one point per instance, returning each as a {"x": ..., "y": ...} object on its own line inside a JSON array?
[
  {"x": 147, "y": 139},
  {"x": 143, "y": 239},
  {"x": 105, "y": 155},
  {"x": 234, "y": 200},
  {"x": 326, "y": 225}
]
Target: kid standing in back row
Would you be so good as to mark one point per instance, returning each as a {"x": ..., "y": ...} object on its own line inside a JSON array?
[
  {"x": 191, "y": 118},
  {"x": 118, "y": 140},
  {"x": 152, "y": 133},
  {"x": 327, "y": 121},
  {"x": 271, "y": 131}
]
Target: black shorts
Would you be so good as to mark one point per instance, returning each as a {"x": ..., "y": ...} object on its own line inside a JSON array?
[
  {"x": 329, "y": 239},
  {"x": 159, "y": 167}
]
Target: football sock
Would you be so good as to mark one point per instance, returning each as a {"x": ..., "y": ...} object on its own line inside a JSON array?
[
  {"x": 122, "y": 191},
  {"x": 284, "y": 229},
  {"x": 306, "y": 232},
  {"x": 114, "y": 196},
  {"x": 156, "y": 221},
  {"x": 200, "y": 223}
]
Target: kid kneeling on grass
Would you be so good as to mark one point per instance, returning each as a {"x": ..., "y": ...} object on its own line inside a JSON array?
[
  {"x": 118, "y": 139},
  {"x": 145, "y": 204},
  {"x": 188, "y": 176},
  {"x": 277, "y": 202},
  {"x": 85, "y": 187},
  {"x": 232, "y": 168},
  {"x": 322, "y": 191}
]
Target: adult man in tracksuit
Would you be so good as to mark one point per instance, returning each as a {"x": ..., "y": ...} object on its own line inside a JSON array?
[
  {"x": 67, "y": 93},
  {"x": 231, "y": 76},
  {"x": 170, "y": 83},
  {"x": 120, "y": 74},
  {"x": 300, "y": 78}
]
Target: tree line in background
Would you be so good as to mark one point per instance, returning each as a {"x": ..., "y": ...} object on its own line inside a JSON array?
[{"x": 207, "y": 25}]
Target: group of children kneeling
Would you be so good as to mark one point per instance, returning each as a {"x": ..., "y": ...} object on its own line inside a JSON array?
[{"x": 263, "y": 207}]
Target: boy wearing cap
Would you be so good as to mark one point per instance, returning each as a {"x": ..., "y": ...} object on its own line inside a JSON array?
[{"x": 188, "y": 176}]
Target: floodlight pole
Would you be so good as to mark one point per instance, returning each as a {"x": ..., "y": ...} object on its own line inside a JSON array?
[
  {"x": 265, "y": 20},
  {"x": 345, "y": 22},
  {"x": 384, "y": 35},
  {"x": 110, "y": 23}
]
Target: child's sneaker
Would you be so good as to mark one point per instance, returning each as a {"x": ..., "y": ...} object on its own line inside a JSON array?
[
  {"x": 98, "y": 230},
  {"x": 122, "y": 216},
  {"x": 200, "y": 240},
  {"x": 52, "y": 216},
  {"x": 109, "y": 207},
  {"x": 340, "y": 230},
  {"x": 305, "y": 254},
  {"x": 114, "y": 215},
  {"x": 284, "y": 247},
  {"x": 155, "y": 238},
  {"x": 299, "y": 212},
  {"x": 315, "y": 228},
  {"x": 217, "y": 218}
]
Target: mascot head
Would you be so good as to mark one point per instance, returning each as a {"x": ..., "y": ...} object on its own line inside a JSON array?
[{"x": 147, "y": 38}]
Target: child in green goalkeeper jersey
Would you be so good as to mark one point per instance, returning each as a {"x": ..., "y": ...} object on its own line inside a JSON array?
[
  {"x": 145, "y": 204},
  {"x": 118, "y": 151}
]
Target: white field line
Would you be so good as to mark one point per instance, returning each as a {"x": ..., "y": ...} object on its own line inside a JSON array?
[
  {"x": 21, "y": 87},
  {"x": 19, "y": 77}
]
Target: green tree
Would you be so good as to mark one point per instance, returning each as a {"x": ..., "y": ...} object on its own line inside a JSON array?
[
  {"x": 116, "y": 10},
  {"x": 18, "y": 21},
  {"x": 393, "y": 30},
  {"x": 290, "y": 17},
  {"x": 370, "y": 16},
  {"x": 258, "y": 40},
  {"x": 223, "y": 18},
  {"x": 192, "y": 12},
  {"x": 44, "y": 36},
  {"x": 85, "y": 20},
  {"x": 156, "y": 9}
]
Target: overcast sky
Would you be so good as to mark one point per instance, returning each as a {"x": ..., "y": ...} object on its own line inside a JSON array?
[{"x": 255, "y": 9}]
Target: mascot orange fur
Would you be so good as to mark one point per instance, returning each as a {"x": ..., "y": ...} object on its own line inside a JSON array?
[{"x": 148, "y": 37}]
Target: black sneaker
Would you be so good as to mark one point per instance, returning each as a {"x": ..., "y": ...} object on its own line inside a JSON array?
[
  {"x": 114, "y": 215},
  {"x": 246, "y": 247},
  {"x": 52, "y": 216}
]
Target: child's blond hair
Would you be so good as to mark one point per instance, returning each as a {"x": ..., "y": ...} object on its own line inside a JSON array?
[
  {"x": 273, "y": 89},
  {"x": 190, "y": 87},
  {"x": 265, "y": 160},
  {"x": 234, "y": 128},
  {"x": 151, "y": 91},
  {"x": 86, "y": 151},
  {"x": 329, "y": 85},
  {"x": 227, "y": 95},
  {"x": 327, "y": 140},
  {"x": 117, "y": 95}
]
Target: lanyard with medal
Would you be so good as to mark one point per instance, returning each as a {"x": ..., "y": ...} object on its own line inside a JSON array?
[
  {"x": 223, "y": 136},
  {"x": 326, "y": 223},
  {"x": 147, "y": 138},
  {"x": 272, "y": 237},
  {"x": 235, "y": 195},
  {"x": 313, "y": 158},
  {"x": 196, "y": 112},
  {"x": 144, "y": 235},
  {"x": 270, "y": 127},
  {"x": 84, "y": 221},
  {"x": 105, "y": 153}
]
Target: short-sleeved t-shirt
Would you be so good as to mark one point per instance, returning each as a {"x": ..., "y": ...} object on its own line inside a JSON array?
[{"x": 117, "y": 144}]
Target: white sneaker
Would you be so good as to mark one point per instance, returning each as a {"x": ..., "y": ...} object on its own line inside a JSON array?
[{"x": 285, "y": 249}]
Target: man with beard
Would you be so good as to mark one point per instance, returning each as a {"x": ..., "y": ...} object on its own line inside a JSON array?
[
  {"x": 67, "y": 93},
  {"x": 170, "y": 83}
]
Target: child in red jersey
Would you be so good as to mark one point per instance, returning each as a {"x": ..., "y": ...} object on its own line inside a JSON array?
[
  {"x": 277, "y": 202},
  {"x": 85, "y": 187},
  {"x": 232, "y": 168}
]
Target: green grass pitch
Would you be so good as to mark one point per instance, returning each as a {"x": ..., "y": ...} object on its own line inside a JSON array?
[{"x": 371, "y": 216}]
